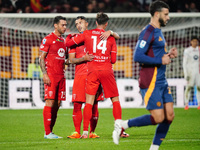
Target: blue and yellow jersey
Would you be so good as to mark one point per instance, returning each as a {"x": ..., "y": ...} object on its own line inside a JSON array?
[{"x": 148, "y": 52}]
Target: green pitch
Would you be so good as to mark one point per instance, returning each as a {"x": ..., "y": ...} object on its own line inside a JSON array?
[{"x": 23, "y": 130}]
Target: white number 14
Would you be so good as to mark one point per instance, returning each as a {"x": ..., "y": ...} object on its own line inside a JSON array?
[{"x": 101, "y": 45}]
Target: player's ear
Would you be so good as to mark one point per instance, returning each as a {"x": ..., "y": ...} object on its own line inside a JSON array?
[
  {"x": 157, "y": 14},
  {"x": 87, "y": 24},
  {"x": 55, "y": 26},
  {"x": 106, "y": 24}
]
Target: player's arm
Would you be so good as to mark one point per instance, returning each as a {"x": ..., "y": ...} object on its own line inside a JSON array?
[
  {"x": 42, "y": 57},
  {"x": 108, "y": 33},
  {"x": 70, "y": 41},
  {"x": 140, "y": 53},
  {"x": 44, "y": 47},
  {"x": 85, "y": 58},
  {"x": 114, "y": 52}
]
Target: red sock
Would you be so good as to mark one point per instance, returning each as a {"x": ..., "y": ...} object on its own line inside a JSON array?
[
  {"x": 77, "y": 116},
  {"x": 87, "y": 114},
  {"x": 54, "y": 112},
  {"x": 117, "y": 110},
  {"x": 95, "y": 116},
  {"x": 47, "y": 119}
]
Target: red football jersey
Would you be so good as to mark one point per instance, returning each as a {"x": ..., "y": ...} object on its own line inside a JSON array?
[
  {"x": 80, "y": 51},
  {"x": 101, "y": 49},
  {"x": 56, "y": 51}
]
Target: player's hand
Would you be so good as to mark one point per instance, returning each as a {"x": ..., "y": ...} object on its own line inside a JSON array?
[
  {"x": 88, "y": 57},
  {"x": 67, "y": 61},
  {"x": 173, "y": 53},
  {"x": 46, "y": 79},
  {"x": 105, "y": 35},
  {"x": 166, "y": 59}
]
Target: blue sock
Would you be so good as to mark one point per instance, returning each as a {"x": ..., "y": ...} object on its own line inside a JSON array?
[
  {"x": 144, "y": 120},
  {"x": 161, "y": 132}
]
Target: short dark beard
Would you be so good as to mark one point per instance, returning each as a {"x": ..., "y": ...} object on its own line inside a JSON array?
[
  {"x": 162, "y": 23},
  {"x": 60, "y": 31}
]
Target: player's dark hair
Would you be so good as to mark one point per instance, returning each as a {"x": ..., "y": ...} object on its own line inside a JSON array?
[
  {"x": 82, "y": 18},
  {"x": 157, "y": 6},
  {"x": 194, "y": 37},
  {"x": 102, "y": 18},
  {"x": 58, "y": 18}
]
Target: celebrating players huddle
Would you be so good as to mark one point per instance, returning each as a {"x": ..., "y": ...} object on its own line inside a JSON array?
[
  {"x": 94, "y": 51},
  {"x": 93, "y": 73}
]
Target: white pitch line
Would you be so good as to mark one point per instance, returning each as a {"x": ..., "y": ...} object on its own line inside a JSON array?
[{"x": 110, "y": 141}]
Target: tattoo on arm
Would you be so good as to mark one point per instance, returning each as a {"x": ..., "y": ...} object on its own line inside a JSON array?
[{"x": 42, "y": 64}]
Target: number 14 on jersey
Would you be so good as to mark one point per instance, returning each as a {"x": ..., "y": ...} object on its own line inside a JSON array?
[{"x": 100, "y": 46}]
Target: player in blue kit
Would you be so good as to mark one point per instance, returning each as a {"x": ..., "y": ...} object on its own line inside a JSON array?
[{"x": 153, "y": 57}]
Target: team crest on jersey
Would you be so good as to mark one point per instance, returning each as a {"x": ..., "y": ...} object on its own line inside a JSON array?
[
  {"x": 142, "y": 44},
  {"x": 44, "y": 41},
  {"x": 50, "y": 93},
  {"x": 74, "y": 96},
  {"x": 61, "y": 52},
  {"x": 59, "y": 40}
]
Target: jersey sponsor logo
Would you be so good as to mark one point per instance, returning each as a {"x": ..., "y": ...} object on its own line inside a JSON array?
[
  {"x": 195, "y": 57},
  {"x": 44, "y": 41},
  {"x": 160, "y": 39},
  {"x": 61, "y": 52},
  {"x": 142, "y": 44}
]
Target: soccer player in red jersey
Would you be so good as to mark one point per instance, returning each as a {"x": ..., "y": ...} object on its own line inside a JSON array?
[
  {"x": 52, "y": 63},
  {"x": 99, "y": 69},
  {"x": 78, "y": 56}
]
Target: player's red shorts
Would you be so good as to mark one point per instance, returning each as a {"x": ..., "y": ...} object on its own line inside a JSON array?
[
  {"x": 56, "y": 90},
  {"x": 106, "y": 79},
  {"x": 78, "y": 92}
]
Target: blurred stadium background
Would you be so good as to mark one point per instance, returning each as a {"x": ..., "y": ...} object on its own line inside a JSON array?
[{"x": 21, "y": 34}]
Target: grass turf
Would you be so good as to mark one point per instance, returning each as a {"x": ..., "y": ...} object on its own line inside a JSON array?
[{"x": 23, "y": 130}]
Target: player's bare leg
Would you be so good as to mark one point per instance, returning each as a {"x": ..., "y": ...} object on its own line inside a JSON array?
[
  {"x": 187, "y": 96},
  {"x": 158, "y": 115}
]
